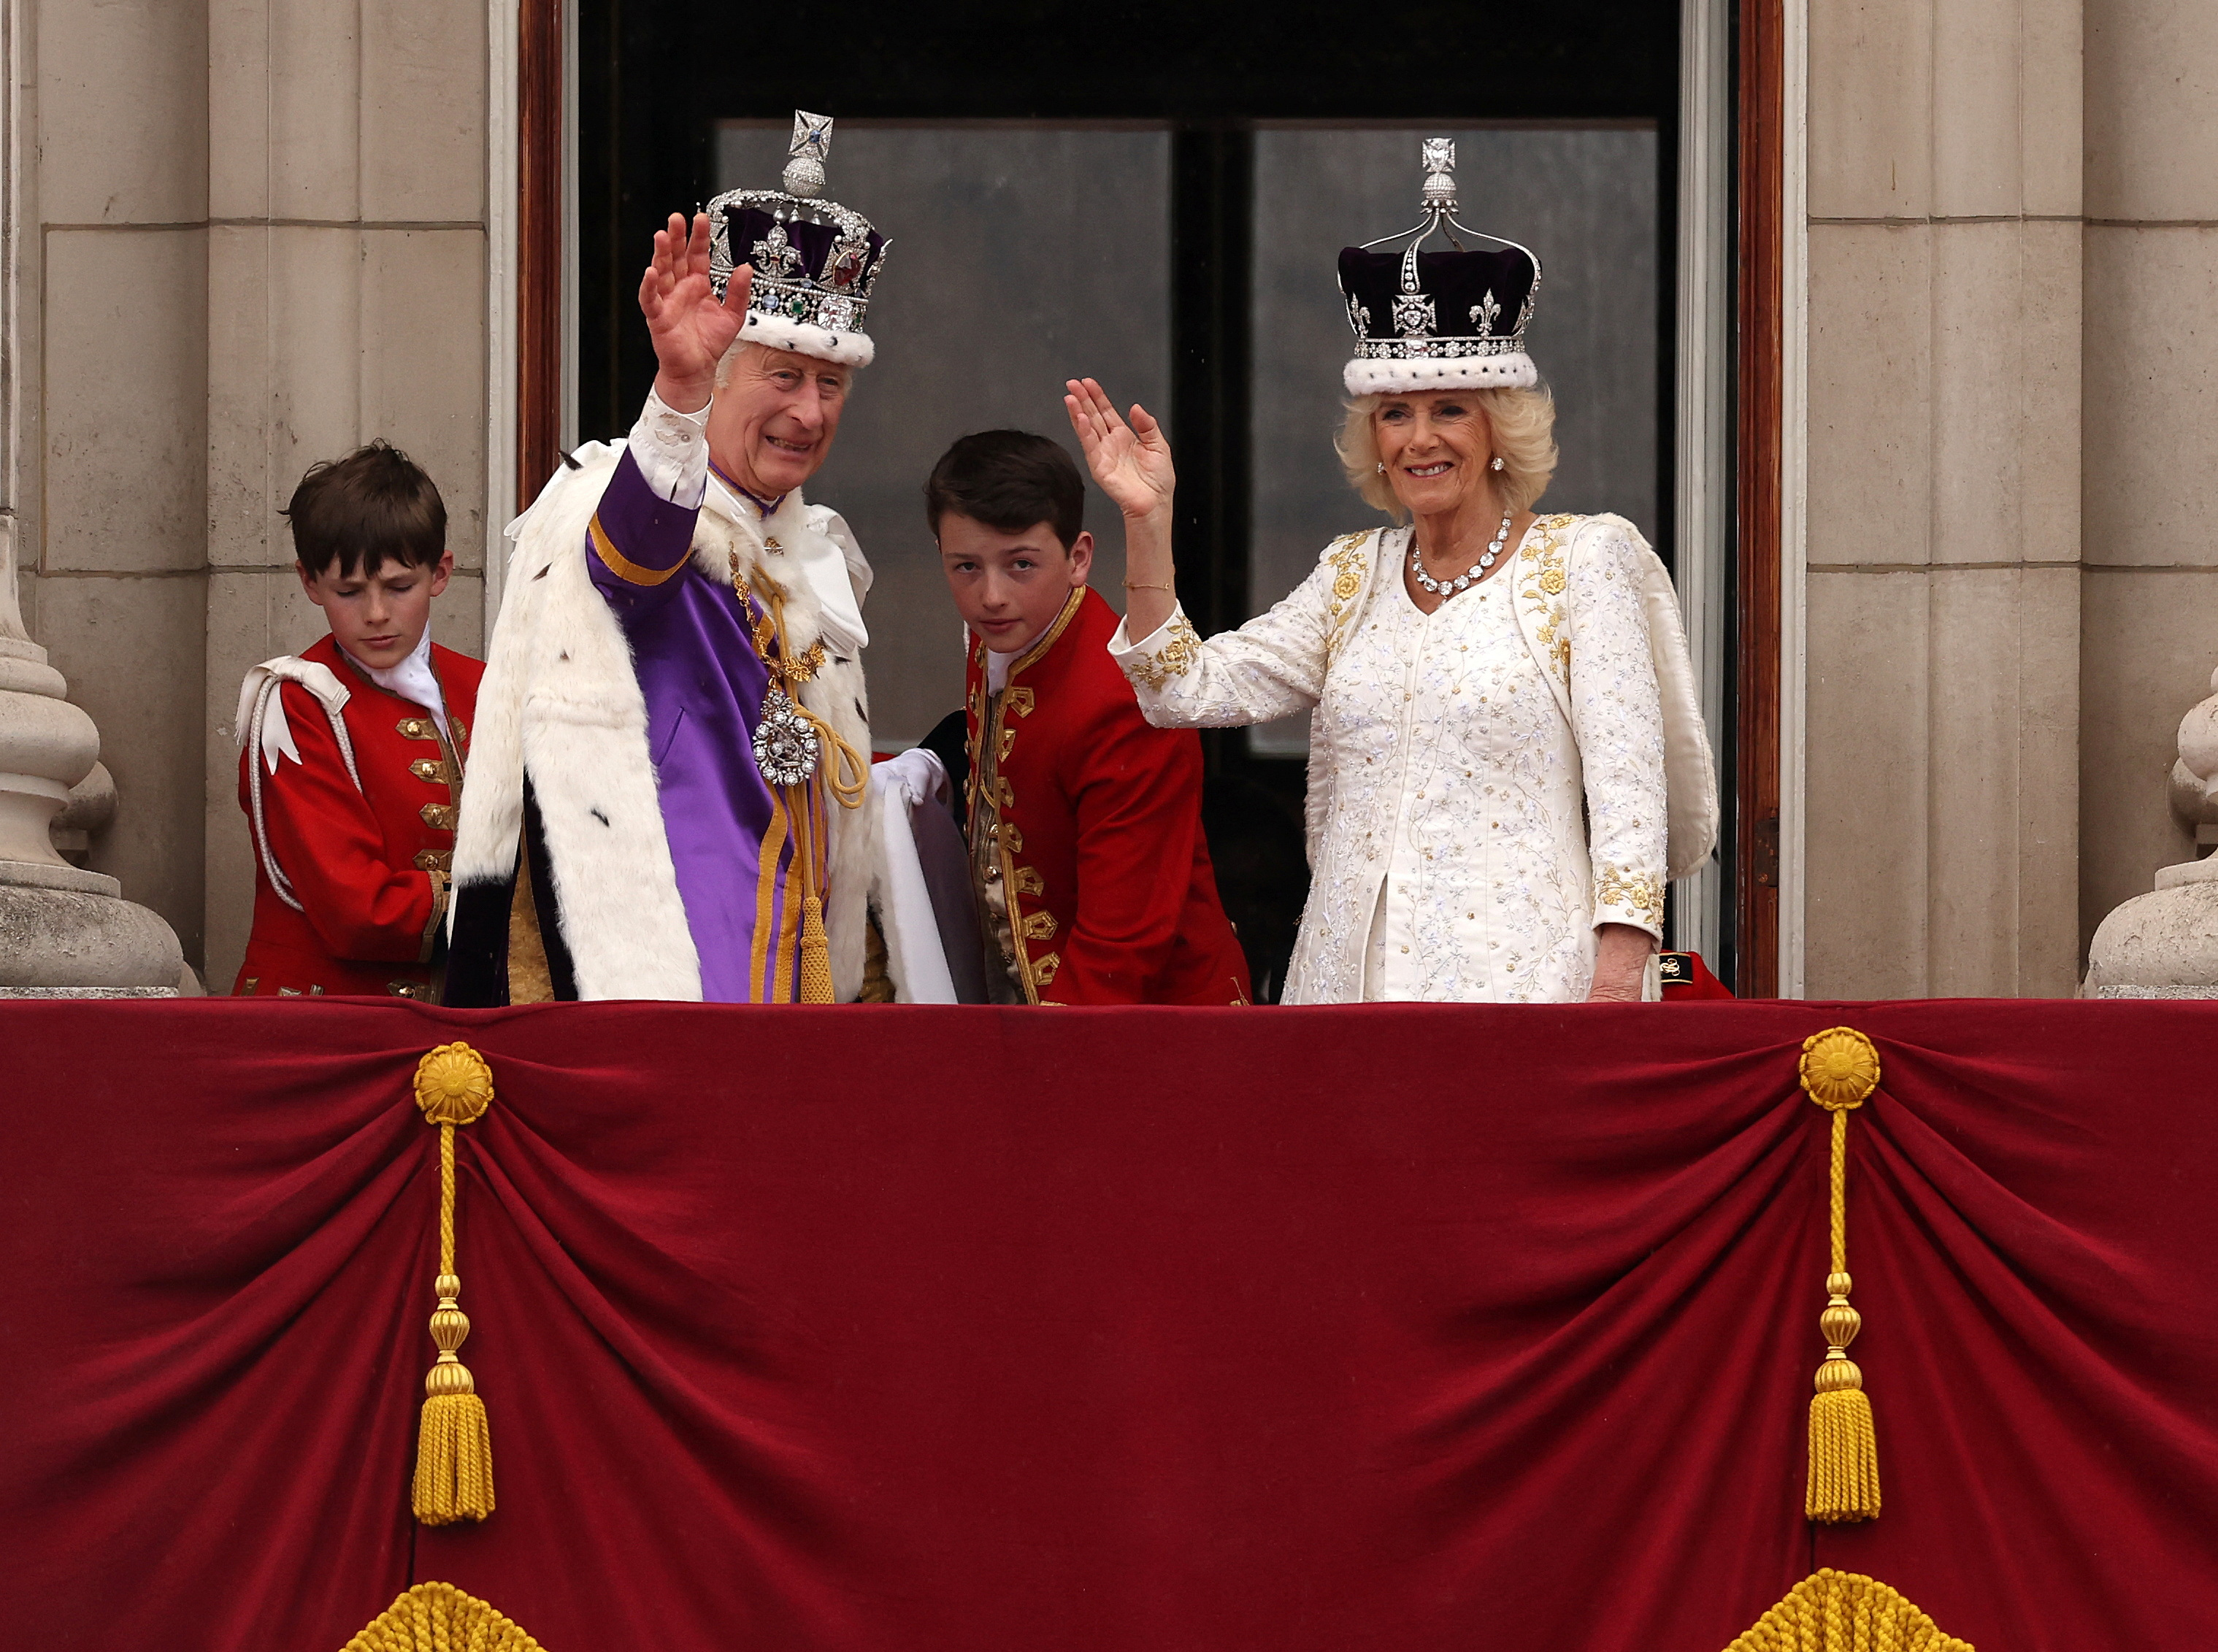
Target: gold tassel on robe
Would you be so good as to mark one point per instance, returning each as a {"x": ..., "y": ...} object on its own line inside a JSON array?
[
  {"x": 1840, "y": 1068},
  {"x": 454, "y": 1446}
]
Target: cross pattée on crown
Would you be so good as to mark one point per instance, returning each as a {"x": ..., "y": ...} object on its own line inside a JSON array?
[{"x": 812, "y": 135}]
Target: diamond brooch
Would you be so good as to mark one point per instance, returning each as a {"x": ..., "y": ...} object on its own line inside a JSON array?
[{"x": 786, "y": 744}]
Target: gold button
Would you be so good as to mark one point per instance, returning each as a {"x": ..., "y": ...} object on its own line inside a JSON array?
[
  {"x": 435, "y": 860},
  {"x": 439, "y": 816},
  {"x": 428, "y": 769}
]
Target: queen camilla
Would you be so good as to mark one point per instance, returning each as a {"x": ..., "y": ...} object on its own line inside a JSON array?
[{"x": 1507, "y": 759}]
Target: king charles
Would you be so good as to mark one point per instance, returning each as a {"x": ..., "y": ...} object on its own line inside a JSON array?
[{"x": 669, "y": 791}]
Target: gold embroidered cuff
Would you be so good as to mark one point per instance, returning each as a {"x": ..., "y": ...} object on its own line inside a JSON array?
[
  {"x": 1621, "y": 896},
  {"x": 1166, "y": 665}
]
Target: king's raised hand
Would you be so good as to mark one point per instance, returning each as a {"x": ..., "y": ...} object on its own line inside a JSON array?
[
  {"x": 692, "y": 328},
  {"x": 1132, "y": 462}
]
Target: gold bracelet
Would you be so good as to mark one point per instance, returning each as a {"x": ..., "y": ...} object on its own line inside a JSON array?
[{"x": 1136, "y": 584}]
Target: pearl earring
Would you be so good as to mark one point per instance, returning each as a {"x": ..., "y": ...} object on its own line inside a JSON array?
[{"x": 1496, "y": 463}]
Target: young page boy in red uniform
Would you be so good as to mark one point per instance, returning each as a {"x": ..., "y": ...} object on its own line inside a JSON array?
[
  {"x": 1086, "y": 851},
  {"x": 351, "y": 764}
]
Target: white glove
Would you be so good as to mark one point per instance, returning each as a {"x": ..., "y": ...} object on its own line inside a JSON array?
[{"x": 917, "y": 774}]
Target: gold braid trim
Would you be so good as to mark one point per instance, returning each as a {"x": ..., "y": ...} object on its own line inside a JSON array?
[
  {"x": 1845, "y": 1611},
  {"x": 1840, "y": 1068},
  {"x": 454, "y": 1446},
  {"x": 439, "y": 1617}
]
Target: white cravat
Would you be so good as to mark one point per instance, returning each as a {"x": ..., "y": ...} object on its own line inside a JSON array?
[{"x": 413, "y": 679}]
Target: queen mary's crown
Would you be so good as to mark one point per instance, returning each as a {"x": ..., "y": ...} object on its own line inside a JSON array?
[
  {"x": 815, "y": 262},
  {"x": 1436, "y": 321}
]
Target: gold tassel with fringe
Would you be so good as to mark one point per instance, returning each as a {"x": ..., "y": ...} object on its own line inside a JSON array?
[
  {"x": 1840, "y": 1068},
  {"x": 454, "y": 1446},
  {"x": 1845, "y": 1611},
  {"x": 440, "y": 1618}
]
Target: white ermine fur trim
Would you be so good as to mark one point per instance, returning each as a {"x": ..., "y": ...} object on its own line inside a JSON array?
[
  {"x": 560, "y": 696},
  {"x": 1367, "y": 377},
  {"x": 806, "y": 338}
]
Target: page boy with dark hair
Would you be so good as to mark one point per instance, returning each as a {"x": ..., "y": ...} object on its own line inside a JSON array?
[
  {"x": 352, "y": 755},
  {"x": 1086, "y": 851}
]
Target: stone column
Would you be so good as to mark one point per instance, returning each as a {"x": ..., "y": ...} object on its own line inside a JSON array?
[
  {"x": 1944, "y": 511},
  {"x": 61, "y": 927}
]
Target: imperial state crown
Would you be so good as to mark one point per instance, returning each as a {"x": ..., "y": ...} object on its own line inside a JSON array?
[{"x": 815, "y": 262}]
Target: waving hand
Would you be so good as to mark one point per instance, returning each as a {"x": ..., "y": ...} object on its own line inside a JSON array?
[
  {"x": 1132, "y": 462},
  {"x": 690, "y": 328}
]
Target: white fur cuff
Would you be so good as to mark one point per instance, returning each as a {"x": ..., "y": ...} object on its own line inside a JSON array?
[
  {"x": 1370, "y": 377},
  {"x": 806, "y": 338}
]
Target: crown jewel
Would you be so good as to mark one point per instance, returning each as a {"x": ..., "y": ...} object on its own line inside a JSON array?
[
  {"x": 815, "y": 262},
  {"x": 1432, "y": 319}
]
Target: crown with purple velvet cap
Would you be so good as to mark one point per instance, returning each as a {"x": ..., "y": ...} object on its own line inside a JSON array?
[
  {"x": 1435, "y": 320},
  {"x": 814, "y": 261}
]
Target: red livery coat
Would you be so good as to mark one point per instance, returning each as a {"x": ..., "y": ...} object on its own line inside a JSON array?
[
  {"x": 1089, "y": 819},
  {"x": 371, "y": 867}
]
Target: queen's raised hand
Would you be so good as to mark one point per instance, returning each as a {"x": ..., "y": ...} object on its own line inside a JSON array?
[
  {"x": 691, "y": 326},
  {"x": 1132, "y": 461}
]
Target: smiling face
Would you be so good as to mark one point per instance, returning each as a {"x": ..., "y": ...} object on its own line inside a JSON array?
[
  {"x": 1009, "y": 587},
  {"x": 1435, "y": 445},
  {"x": 774, "y": 416},
  {"x": 379, "y": 618}
]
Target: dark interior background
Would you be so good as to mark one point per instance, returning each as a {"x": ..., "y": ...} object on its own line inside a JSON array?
[{"x": 655, "y": 83}]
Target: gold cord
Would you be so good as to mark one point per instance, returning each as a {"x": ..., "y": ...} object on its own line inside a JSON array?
[
  {"x": 846, "y": 775},
  {"x": 1839, "y": 1070},
  {"x": 454, "y": 1446}
]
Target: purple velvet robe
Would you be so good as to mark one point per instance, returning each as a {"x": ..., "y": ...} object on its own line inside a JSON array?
[{"x": 731, "y": 833}]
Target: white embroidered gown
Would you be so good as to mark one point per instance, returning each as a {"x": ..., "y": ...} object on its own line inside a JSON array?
[{"x": 1465, "y": 837}]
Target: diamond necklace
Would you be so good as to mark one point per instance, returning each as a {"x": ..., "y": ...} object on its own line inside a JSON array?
[{"x": 1449, "y": 587}]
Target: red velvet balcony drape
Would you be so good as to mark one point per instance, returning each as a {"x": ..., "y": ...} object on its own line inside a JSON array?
[{"x": 1392, "y": 1327}]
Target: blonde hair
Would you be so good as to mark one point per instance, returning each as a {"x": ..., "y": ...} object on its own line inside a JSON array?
[{"x": 1521, "y": 424}]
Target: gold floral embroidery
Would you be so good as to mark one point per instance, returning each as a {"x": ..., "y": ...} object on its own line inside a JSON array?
[
  {"x": 1349, "y": 557},
  {"x": 1168, "y": 663},
  {"x": 1545, "y": 583},
  {"x": 1616, "y": 885}
]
